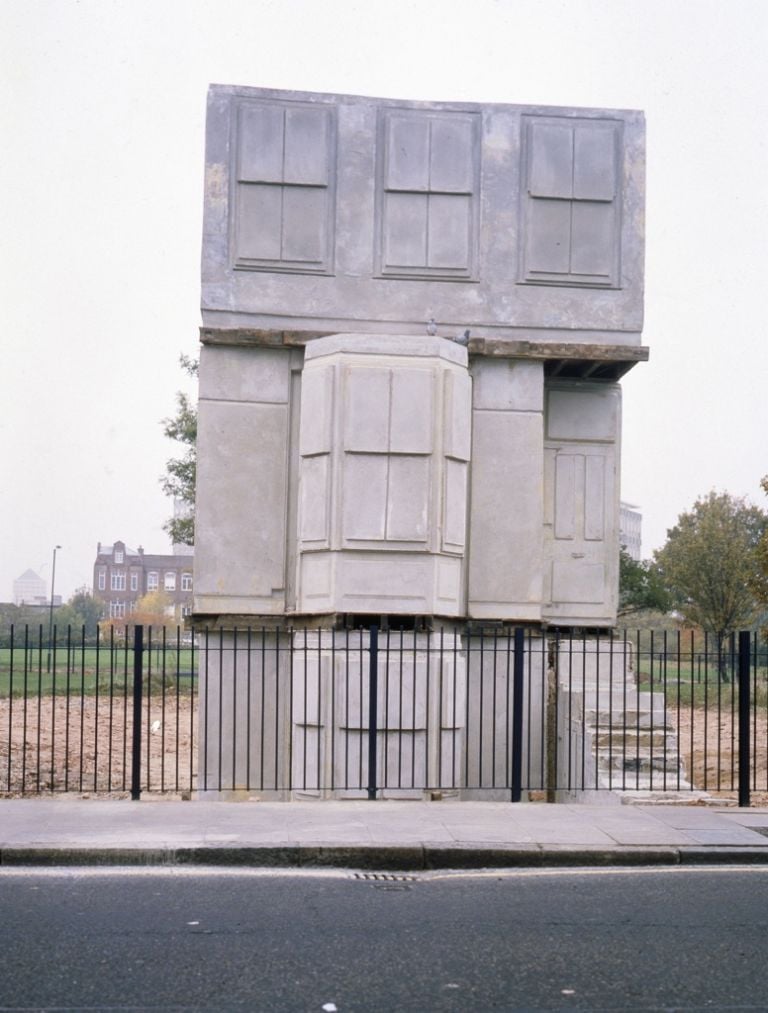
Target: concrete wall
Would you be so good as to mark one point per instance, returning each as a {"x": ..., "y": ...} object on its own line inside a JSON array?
[
  {"x": 246, "y": 475},
  {"x": 352, "y": 458},
  {"x": 384, "y": 447},
  {"x": 374, "y": 474},
  {"x": 505, "y": 538},
  {"x": 581, "y": 503},
  {"x": 332, "y": 213}
]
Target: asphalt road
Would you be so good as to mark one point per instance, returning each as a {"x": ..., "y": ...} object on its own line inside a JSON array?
[{"x": 146, "y": 939}]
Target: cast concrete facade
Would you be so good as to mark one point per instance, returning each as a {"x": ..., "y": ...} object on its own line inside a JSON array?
[
  {"x": 415, "y": 316},
  {"x": 335, "y": 213}
]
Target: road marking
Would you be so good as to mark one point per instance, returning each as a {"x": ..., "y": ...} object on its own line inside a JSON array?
[{"x": 351, "y": 874}]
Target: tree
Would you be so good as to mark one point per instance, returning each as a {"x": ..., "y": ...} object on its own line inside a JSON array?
[
  {"x": 709, "y": 563},
  {"x": 82, "y": 611},
  {"x": 641, "y": 588},
  {"x": 179, "y": 480},
  {"x": 154, "y": 609},
  {"x": 760, "y": 580}
]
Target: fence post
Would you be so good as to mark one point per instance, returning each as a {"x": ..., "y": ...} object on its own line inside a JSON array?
[
  {"x": 138, "y": 668},
  {"x": 744, "y": 712},
  {"x": 518, "y": 669},
  {"x": 373, "y": 705}
]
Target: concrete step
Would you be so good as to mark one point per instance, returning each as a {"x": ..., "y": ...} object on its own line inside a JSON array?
[
  {"x": 639, "y": 782},
  {"x": 691, "y": 796},
  {"x": 632, "y": 740},
  {"x": 620, "y": 720},
  {"x": 629, "y": 701},
  {"x": 671, "y": 763},
  {"x": 606, "y": 682}
]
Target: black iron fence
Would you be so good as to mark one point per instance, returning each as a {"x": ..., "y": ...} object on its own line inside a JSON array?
[{"x": 467, "y": 713}]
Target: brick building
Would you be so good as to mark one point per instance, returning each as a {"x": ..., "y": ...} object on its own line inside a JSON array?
[{"x": 121, "y": 576}]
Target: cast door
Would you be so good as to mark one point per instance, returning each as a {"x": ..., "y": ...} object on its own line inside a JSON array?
[{"x": 580, "y": 532}]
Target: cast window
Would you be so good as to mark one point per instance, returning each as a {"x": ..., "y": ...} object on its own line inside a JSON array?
[
  {"x": 428, "y": 193},
  {"x": 284, "y": 185},
  {"x": 571, "y": 202}
]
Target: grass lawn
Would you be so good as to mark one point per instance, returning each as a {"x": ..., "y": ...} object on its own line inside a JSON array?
[{"x": 82, "y": 670}]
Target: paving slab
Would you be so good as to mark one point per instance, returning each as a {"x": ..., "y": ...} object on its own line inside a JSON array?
[{"x": 380, "y": 834}]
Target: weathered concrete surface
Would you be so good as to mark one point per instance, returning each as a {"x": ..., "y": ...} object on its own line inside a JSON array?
[
  {"x": 375, "y": 835},
  {"x": 329, "y": 213},
  {"x": 384, "y": 453},
  {"x": 339, "y": 227}
]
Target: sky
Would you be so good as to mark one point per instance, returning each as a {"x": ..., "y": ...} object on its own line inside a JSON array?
[{"x": 102, "y": 110}]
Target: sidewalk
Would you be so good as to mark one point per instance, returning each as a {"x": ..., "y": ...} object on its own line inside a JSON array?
[{"x": 375, "y": 835}]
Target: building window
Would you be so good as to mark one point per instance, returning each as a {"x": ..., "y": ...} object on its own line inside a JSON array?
[
  {"x": 118, "y": 580},
  {"x": 170, "y": 581},
  {"x": 119, "y": 557},
  {"x": 428, "y": 194},
  {"x": 284, "y": 187},
  {"x": 572, "y": 200},
  {"x": 134, "y": 582},
  {"x": 186, "y": 582},
  {"x": 102, "y": 579},
  {"x": 117, "y": 610},
  {"x": 186, "y": 610},
  {"x": 152, "y": 581}
]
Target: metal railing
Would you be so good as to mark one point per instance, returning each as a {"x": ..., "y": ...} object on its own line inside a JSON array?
[{"x": 469, "y": 713}]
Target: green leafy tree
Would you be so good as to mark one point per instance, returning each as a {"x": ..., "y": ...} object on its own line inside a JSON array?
[
  {"x": 181, "y": 472},
  {"x": 760, "y": 579},
  {"x": 709, "y": 563},
  {"x": 641, "y": 588},
  {"x": 82, "y": 611}
]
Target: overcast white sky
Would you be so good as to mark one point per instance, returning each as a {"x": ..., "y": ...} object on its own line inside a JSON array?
[{"x": 102, "y": 107}]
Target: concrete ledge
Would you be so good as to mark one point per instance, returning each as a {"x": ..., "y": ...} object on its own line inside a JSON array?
[
  {"x": 385, "y": 858},
  {"x": 723, "y": 856}
]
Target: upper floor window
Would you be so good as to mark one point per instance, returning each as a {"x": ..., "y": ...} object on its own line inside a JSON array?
[
  {"x": 170, "y": 581},
  {"x": 118, "y": 580},
  {"x": 134, "y": 582},
  {"x": 186, "y": 582},
  {"x": 119, "y": 556},
  {"x": 153, "y": 580},
  {"x": 102, "y": 579},
  {"x": 428, "y": 201},
  {"x": 572, "y": 200},
  {"x": 284, "y": 187}
]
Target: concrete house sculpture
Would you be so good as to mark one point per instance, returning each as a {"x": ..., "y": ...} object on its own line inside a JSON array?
[{"x": 415, "y": 318}]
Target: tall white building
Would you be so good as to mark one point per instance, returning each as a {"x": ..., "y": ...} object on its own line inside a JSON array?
[
  {"x": 631, "y": 530},
  {"x": 29, "y": 589}
]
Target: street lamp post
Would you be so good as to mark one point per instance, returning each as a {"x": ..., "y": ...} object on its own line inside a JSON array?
[{"x": 50, "y": 610}]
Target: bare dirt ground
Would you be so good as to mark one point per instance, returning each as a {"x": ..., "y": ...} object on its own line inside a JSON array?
[
  {"x": 84, "y": 747},
  {"x": 709, "y": 746}
]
